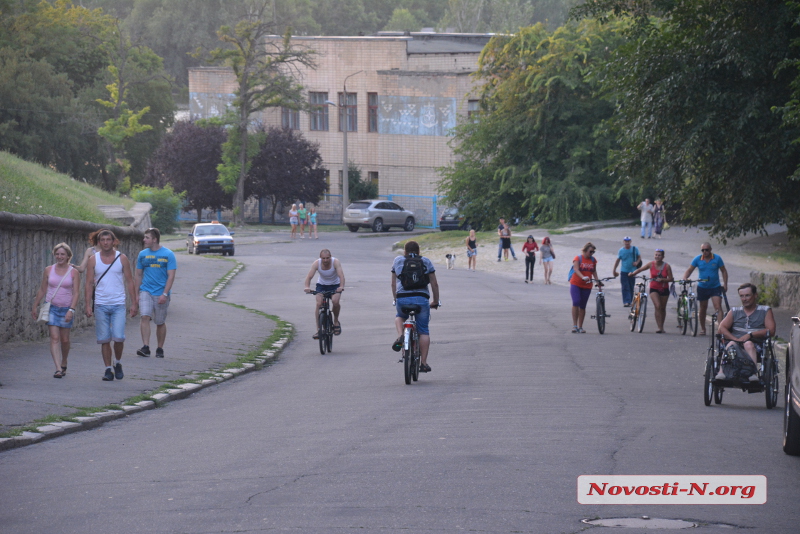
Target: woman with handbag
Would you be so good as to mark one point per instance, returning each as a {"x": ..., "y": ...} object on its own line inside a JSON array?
[{"x": 60, "y": 285}]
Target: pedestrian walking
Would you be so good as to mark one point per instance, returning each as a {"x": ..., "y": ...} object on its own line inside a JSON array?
[
  {"x": 529, "y": 250},
  {"x": 472, "y": 250},
  {"x": 111, "y": 280},
  {"x": 60, "y": 287},
  {"x": 505, "y": 240},
  {"x": 548, "y": 254},
  {"x": 628, "y": 257},
  {"x": 584, "y": 267},
  {"x": 709, "y": 266},
  {"x": 302, "y": 214},
  {"x": 293, "y": 220},
  {"x": 312, "y": 222},
  {"x": 646, "y": 217},
  {"x": 155, "y": 274},
  {"x": 661, "y": 277},
  {"x": 659, "y": 217},
  {"x": 501, "y": 231}
]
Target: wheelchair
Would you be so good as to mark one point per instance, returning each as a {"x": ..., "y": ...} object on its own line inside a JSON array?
[{"x": 720, "y": 357}]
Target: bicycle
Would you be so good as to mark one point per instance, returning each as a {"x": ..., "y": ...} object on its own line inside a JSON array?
[
  {"x": 638, "y": 312},
  {"x": 410, "y": 357},
  {"x": 687, "y": 308},
  {"x": 600, "y": 301},
  {"x": 325, "y": 321}
]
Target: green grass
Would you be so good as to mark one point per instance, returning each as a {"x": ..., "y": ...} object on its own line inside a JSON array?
[{"x": 29, "y": 188}]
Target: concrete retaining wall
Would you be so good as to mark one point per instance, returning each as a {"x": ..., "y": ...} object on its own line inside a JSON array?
[
  {"x": 26, "y": 245},
  {"x": 778, "y": 289}
]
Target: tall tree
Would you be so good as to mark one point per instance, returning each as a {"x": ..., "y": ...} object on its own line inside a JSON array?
[
  {"x": 263, "y": 70},
  {"x": 187, "y": 159},
  {"x": 286, "y": 168}
]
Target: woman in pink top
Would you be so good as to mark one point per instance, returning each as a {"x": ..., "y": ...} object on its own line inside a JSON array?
[{"x": 60, "y": 287}]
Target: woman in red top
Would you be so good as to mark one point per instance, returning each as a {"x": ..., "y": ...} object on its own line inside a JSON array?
[
  {"x": 529, "y": 251},
  {"x": 660, "y": 278},
  {"x": 580, "y": 285}
]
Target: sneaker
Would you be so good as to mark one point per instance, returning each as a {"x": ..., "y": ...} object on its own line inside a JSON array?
[
  {"x": 498, "y": 259},
  {"x": 626, "y": 305},
  {"x": 515, "y": 258},
  {"x": 109, "y": 376},
  {"x": 720, "y": 375},
  {"x": 118, "y": 372},
  {"x": 159, "y": 352},
  {"x": 398, "y": 344},
  {"x": 753, "y": 378},
  {"x": 144, "y": 351}
]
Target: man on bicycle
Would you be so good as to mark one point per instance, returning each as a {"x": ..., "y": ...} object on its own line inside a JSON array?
[
  {"x": 420, "y": 296},
  {"x": 709, "y": 266},
  {"x": 746, "y": 326},
  {"x": 331, "y": 279}
]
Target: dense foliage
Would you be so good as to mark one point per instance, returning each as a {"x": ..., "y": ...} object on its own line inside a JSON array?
[
  {"x": 166, "y": 205},
  {"x": 536, "y": 147}
]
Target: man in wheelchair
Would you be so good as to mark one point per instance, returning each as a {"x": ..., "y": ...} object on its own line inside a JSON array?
[{"x": 746, "y": 327}]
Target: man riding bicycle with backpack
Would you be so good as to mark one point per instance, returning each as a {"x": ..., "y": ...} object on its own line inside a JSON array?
[{"x": 411, "y": 275}]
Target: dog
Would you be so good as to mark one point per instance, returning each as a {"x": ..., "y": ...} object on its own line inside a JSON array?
[{"x": 451, "y": 261}]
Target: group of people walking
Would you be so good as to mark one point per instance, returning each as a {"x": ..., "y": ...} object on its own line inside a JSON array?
[
  {"x": 111, "y": 283},
  {"x": 629, "y": 261},
  {"x": 300, "y": 216}
]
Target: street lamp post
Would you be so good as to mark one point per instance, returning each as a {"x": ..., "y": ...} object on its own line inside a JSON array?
[{"x": 343, "y": 122}]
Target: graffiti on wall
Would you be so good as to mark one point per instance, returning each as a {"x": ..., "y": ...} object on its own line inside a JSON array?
[{"x": 416, "y": 115}]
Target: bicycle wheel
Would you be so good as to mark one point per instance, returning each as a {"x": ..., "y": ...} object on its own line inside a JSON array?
[
  {"x": 770, "y": 381},
  {"x": 415, "y": 359},
  {"x": 642, "y": 313},
  {"x": 601, "y": 314},
  {"x": 329, "y": 334},
  {"x": 708, "y": 387},
  {"x": 683, "y": 317},
  {"x": 633, "y": 316},
  {"x": 408, "y": 360},
  {"x": 323, "y": 329},
  {"x": 693, "y": 316}
]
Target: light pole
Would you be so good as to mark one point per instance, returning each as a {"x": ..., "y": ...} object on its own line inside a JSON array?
[{"x": 343, "y": 122}]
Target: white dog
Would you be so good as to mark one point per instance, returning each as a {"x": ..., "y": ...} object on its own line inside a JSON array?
[{"x": 451, "y": 261}]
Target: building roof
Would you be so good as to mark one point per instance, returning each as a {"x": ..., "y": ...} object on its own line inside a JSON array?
[{"x": 421, "y": 42}]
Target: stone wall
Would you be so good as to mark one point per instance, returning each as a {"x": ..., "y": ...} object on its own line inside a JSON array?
[
  {"x": 26, "y": 244},
  {"x": 779, "y": 289}
]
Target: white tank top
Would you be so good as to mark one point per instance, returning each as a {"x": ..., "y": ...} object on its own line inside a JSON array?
[
  {"x": 111, "y": 289},
  {"x": 329, "y": 277}
]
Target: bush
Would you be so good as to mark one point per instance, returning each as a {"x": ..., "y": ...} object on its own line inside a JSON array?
[{"x": 165, "y": 203}]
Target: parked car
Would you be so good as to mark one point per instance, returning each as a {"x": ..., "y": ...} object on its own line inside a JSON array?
[
  {"x": 380, "y": 215},
  {"x": 210, "y": 237},
  {"x": 452, "y": 219},
  {"x": 791, "y": 413}
]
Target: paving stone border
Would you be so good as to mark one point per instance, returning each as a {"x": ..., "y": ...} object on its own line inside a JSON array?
[{"x": 180, "y": 391}]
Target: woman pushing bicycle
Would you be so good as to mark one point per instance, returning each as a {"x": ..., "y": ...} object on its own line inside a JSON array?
[
  {"x": 584, "y": 268},
  {"x": 660, "y": 279}
]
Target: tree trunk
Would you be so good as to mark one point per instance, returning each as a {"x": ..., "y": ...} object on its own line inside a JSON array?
[
  {"x": 238, "y": 197},
  {"x": 199, "y": 215},
  {"x": 274, "y": 207}
]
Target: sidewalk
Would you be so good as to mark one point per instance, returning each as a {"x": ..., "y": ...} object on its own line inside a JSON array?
[{"x": 201, "y": 334}]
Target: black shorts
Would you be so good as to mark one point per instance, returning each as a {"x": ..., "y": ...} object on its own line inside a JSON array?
[
  {"x": 662, "y": 292},
  {"x": 705, "y": 293}
]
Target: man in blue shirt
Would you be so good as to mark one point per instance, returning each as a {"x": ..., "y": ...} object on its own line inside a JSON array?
[
  {"x": 155, "y": 274},
  {"x": 709, "y": 266},
  {"x": 627, "y": 255}
]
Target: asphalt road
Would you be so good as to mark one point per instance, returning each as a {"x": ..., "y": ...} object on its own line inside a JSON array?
[{"x": 492, "y": 440}]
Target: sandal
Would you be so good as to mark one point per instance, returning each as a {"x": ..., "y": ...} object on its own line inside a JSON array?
[
  {"x": 63, "y": 370},
  {"x": 424, "y": 368},
  {"x": 337, "y": 329},
  {"x": 58, "y": 374},
  {"x": 398, "y": 344},
  {"x": 575, "y": 330},
  {"x": 315, "y": 336}
]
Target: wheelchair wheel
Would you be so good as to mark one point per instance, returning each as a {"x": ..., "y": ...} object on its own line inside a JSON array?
[
  {"x": 718, "y": 391},
  {"x": 708, "y": 388},
  {"x": 771, "y": 384}
]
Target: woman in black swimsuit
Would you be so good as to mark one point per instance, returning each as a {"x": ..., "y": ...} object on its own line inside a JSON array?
[{"x": 472, "y": 250}]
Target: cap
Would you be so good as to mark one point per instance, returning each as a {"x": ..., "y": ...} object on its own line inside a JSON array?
[{"x": 626, "y": 238}]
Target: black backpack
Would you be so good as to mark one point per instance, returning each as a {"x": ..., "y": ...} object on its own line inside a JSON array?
[
  {"x": 414, "y": 274},
  {"x": 738, "y": 366}
]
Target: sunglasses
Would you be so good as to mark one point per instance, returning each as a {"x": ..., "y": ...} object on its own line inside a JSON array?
[
  {"x": 661, "y": 250},
  {"x": 591, "y": 252},
  {"x": 705, "y": 250}
]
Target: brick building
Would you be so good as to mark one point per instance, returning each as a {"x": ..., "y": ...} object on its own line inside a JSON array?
[{"x": 404, "y": 91}]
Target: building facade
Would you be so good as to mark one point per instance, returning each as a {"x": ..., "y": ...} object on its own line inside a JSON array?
[{"x": 404, "y": 94}]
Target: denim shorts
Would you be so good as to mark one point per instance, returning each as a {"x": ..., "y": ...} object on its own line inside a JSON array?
[
  {"x": 326, "y": 288},
  {"x": 58, "y": 317},
  {"x": 109, "y": 323},
  {"x": 424, "y": 315},
  {"x": 471, "y": 253},
  {"x": 547, "y": 260},
  {"x": 705, "y": 293}
]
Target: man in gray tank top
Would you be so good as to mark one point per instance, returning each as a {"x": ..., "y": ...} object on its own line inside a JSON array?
[
  {"x": 330, "y": 279},
  {"x": 749, "y": 324}
]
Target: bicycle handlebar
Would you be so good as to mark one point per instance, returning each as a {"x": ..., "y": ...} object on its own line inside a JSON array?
[{"x": 327, "y": 294}]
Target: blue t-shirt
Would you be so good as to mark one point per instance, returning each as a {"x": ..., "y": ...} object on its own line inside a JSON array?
[
  {"x": 155, "y": 267},
  {"x": 627, "y": 256},
  {"x": 709, "y": 270},
  {"x": 397, "y": 268}
]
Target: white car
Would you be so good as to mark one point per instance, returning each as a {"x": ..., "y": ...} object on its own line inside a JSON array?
[{"x": 210, "y": 237}]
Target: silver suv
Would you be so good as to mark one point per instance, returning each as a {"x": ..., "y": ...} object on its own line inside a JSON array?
[{"x": 380, "y": 215}]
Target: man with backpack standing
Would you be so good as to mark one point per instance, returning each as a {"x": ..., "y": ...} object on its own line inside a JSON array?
[
  {"x": 411, "y": 275},
  {"x": 629, "y": 256}
]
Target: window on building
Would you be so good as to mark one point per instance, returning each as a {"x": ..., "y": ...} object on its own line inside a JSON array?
[
  {"x": 372, "y": 112},
  {"x": 472, "y": 109},
  {"x": 373, "y": 177},
  {"x": 290, "y": 118},
  {"x": 319, "y": 111},
  {"x": 351, "y": 110}
]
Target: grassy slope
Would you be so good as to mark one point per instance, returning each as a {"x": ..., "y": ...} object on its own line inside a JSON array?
[{"x": 29, "y": 188}]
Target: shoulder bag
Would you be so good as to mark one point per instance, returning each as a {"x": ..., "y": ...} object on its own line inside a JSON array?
[{"x": 44, "y": 311}]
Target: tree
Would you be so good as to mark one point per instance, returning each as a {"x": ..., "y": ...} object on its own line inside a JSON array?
[
  {"x": 358, "y": 188},
  {"x": 262, "y": 67},
  {"x": 695, "y": 120},
  {"x": 286, "y": 168},
  {"x": 536, "y": 147},
  {"x": 402, "y": 20},
  {"x": 187, "y": 159}
]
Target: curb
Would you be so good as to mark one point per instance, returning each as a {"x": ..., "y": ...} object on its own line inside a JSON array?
[{"x": 181, "y": 391}]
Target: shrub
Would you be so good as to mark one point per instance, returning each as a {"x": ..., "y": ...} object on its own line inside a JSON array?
[{"x": 165, "y": 203}]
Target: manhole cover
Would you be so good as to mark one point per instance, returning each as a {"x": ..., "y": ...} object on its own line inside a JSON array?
[{"x": 641, "y": 522}]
